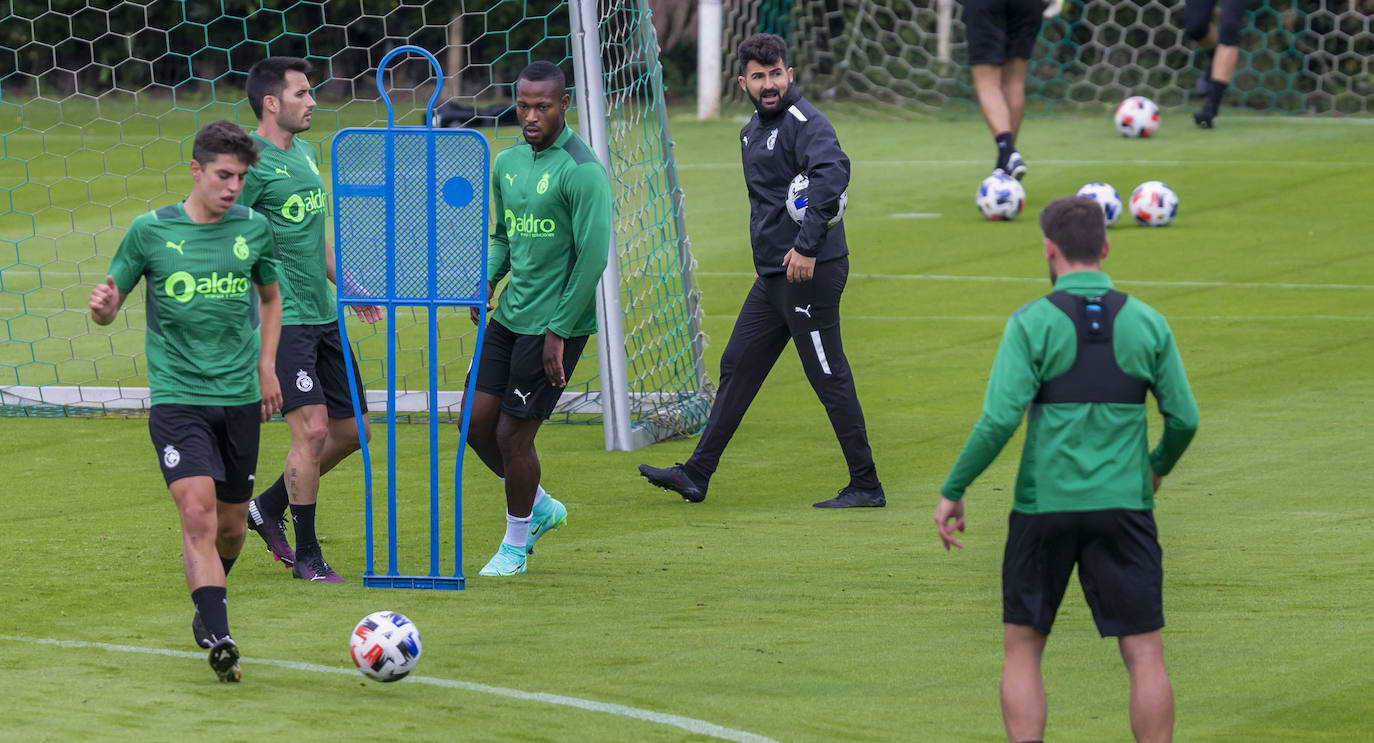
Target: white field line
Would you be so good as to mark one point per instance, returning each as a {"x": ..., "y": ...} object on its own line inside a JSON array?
[
  {"x": 691, "y": 725},
  {"x": 1170, "y": 318},
  {"x": 1043, "y": 280},
  {"x": 1336, "y": 164}
]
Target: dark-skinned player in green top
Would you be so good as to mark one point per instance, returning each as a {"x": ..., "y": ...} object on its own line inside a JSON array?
[
  {"x": 211, "y": 349},
  {"x": 551, "y": 239},
  {"x": 286, "y": 187},
  {"x": 1077, "y": 365}
]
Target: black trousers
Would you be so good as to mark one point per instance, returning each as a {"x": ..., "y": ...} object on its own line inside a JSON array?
[{"x": 808, "y": 315}]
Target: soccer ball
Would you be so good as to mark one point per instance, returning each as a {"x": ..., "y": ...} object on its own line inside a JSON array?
[
  {"x": 385, "y": 646},
  {"x": 796, "y": 199},
  {"x": 1137, "y": 116},
  {"x": 1154, "y": 204},
  {"x": 1000, "y": 197},
  {"x": 1106, "y": 197}
]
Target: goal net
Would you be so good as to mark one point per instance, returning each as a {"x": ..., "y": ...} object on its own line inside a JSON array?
[
  {"x": 1294, "y": 55},
  {"x": 99, "y": 102}
]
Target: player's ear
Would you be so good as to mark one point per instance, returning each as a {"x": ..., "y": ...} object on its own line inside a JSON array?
[
  {"x": 789, "y": 76},
  {"x": 567, "y": 99},
  {"x": 742, "y": 86},
  {"x": 1051, "y": 250},
  {"x": 1106, "y": 245}
]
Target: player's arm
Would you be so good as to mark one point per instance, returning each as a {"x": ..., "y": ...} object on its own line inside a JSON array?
[
  {"x": 1011, "y": 387},
  {"x": 820, "y": 157},
  {"x": 269, "y": 328},
  {"x": 1175, "y": 399},
  {"x": 125, "y": 270},
  {"x": 589, "y": 201},
  {"x": 498, "y": 248}
]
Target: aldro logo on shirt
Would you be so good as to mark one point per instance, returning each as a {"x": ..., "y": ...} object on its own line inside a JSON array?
[
  {"x": 183, "y": 286},
  {"x": 298, "y": 207},
  {"x": 528, "y": 225}
]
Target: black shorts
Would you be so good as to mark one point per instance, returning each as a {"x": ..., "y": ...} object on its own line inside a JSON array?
[
  {"x": 310, "y": 368},
  {"x": 999, "y": 30},
  {"x": 512, "y": 368},
  {"x": 216, "y": 441},
  {"x": 1119, "y": 566}
]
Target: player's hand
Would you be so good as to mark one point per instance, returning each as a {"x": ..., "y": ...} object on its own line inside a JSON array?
[
  {"x": 475, "y": 313},
  {"x": 553, "y": 359},
  {"x": 1155, "y": 481},
  {"x": 368, "y": 314},
  {"x": 104, "y": 301},
  {"x": 945, "y": 511},
  {"x": 271, "y": 392},
  {"x": 799, "y": 267}
]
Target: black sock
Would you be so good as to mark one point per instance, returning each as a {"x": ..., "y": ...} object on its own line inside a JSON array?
[
  {"x": 1004, "y": 149},
  {"x": 228, "y": 563},
  {"x": 303, "y": 517},
  {"x": 210, "y": 601},
  {"x": 1215, "y": 90},
  {"x": 272, "y": 503}
]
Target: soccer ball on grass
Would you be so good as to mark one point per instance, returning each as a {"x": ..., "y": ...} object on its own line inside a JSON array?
[
  {"x": 385, "y": 646},
  {"x": 1106, "y": 197},
  {"x": 797, "y": 199},
  {"x": 1154, "y": 204},
  {"x": 1000, "y": 197},
  {"x": 1137, "y": 116}
]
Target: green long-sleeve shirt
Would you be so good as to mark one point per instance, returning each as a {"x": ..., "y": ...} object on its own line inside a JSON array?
[
  {"x": 552, "y": 236},
  {"x": 1079, "y": 456}
]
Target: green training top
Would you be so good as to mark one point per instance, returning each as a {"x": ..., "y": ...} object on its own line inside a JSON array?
[
  {"x": 552, "y": 235},
  {"x": 1079, "y": 456},
  {"x": 202, "y": 340},
  {"x": 286, "y": 187}
]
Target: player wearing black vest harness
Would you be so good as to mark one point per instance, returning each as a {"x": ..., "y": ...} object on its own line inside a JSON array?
[
  {"x": 1077, "y": 364},
  {"x": 802, "y": 271}
]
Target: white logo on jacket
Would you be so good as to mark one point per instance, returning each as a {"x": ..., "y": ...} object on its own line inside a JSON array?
[{"x": 772, "y": 139}]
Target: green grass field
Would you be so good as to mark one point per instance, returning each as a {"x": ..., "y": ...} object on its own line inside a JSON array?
[{"x": 753, "y": 616}]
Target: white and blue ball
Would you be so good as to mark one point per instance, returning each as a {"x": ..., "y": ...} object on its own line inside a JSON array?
[
  {"x": 1154, "y": 204},
  {"x": 385, "y": 646},
  {"x": 797, "y": 200},
  {"x": 1000, "y": 198},
  {"x": 1106, "y": 197}
]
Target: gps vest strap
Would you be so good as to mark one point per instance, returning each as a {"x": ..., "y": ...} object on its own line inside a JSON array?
[{"x": 1095, "y": 375}]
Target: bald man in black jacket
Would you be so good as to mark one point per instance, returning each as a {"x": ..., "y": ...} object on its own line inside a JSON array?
[{"x": 802, "y": 271}]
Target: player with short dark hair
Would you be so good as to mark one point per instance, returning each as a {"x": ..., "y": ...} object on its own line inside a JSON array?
[
  {"x": 1081, "y": 360},
  {"x": 211, "y": 348},
  {"x": 1224, "y": 41},
  {"x": 1001, "y": 35},
  {"x": 286, "y": 187},
  {"x": 550, "y": 242},
  {"x": 801, "y": 275}
]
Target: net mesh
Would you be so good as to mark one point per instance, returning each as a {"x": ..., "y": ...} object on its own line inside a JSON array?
[
  {"x": 1294, "y": 55},
  {"x": 100, "y": 100}
]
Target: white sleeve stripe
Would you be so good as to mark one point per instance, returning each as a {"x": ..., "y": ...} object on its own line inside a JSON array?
[
  {"x": 820, "y": 351},
  {"x": 800, "y": 117}
]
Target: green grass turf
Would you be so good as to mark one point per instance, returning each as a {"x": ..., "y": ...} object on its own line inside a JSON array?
[{"x": 754, "y": 611}]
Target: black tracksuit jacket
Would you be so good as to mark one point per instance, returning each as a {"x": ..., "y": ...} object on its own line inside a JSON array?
[{"x": 797, "y": 139}]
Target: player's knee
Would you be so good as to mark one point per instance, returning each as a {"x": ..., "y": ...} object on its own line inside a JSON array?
[
  {"x": 514, "y": 441},
  {"x": 233, "y": 530},
  {"x": 310, "y": 437},
  {"x": 1197, "y": 30},
  {"x": 1228, "y": 32}
]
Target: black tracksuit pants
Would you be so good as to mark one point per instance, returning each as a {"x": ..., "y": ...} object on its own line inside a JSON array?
[{"x": 808, "y": 315}]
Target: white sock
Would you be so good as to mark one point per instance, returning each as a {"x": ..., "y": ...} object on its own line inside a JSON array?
[
  {"x": 517, "y": 531},
  {"x": 539, "y": 493}
]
